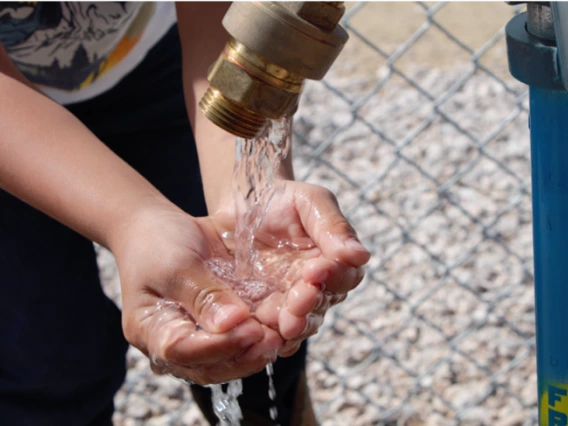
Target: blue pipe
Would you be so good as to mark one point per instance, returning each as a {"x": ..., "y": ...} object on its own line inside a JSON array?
[{"x": 549, "y": 157}]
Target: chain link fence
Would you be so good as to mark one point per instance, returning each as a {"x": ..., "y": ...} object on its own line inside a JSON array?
[{"x": 422, "y": 134}]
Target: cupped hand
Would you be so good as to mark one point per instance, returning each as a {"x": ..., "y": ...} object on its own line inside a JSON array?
[
  {"x": 192, "y": 324},
  {"x": 307, "y": 246},
  {"x": 181, "y": 316}
]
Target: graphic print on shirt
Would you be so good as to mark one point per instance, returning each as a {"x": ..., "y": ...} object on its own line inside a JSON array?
[{"x": 67, "y": 45}]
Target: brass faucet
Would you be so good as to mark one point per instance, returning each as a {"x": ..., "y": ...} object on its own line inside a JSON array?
[{"x": 274, "y": 47}]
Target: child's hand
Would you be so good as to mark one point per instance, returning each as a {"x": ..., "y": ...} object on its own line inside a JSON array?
[
  {"x": 167, "y": 290},
  {"x": 195, "y": 327},
  {"x": 329, "y": 256}
]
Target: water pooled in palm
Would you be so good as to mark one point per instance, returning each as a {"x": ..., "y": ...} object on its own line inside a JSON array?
[{"x": 253, "y": 271}]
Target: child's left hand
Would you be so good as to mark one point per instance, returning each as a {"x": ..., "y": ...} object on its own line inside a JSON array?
[{"x": 330, "y": 256}]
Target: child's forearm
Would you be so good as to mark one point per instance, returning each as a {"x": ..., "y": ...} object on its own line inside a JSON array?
[
  {"x": 203, "y": 38},
  {"x": 54, "y": 163}
]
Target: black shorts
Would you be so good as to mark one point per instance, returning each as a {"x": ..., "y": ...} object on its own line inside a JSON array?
[{"x": 61, "y": 343}]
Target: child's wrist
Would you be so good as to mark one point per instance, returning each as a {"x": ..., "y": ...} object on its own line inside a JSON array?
[{"x": 136, "y": 217}]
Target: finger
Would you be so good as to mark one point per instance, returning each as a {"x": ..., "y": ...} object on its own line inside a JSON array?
[
  {"x": 174, "y": 344},
  {"x": 327, "y": 227},
  {"x": 337, "y": 277},
  {"x": 282, "y": 229},
  {"x": 290, "y": 325},
  {"x": 302, "y": 297},
  {"x": 326, "y": 301},
  {"x": 173, "y": 338},
  {"x": 289, "y": 348},
  {"x": 205, "y": 375},
  {"x": 248, "y": 362},
  {"x": 336, "y": 298},
  {"x": 267, "y": 312},
  {"x": 191, "y": 375},
  {"x": 263, "y": 352},
  {"x": 210, "y": 302},
  {"x": 294, "y": 327},
  {"x": 313, "y": 324},
  {"x": 323, "y": 303}
]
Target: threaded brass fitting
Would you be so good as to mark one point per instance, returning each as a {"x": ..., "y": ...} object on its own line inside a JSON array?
[
  {"x": 230, "y": 116},
  {"x": 322, "y": 14},
  {"x": 259, "y": 76},
  {"x": 244, "y": 83},
  {"x": 335, "y": 3}
]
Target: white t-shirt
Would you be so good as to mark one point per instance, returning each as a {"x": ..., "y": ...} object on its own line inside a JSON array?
[{"x": 77, "y": 50}]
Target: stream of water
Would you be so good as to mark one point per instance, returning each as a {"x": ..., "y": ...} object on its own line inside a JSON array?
[{"x": 253, "y": 273}]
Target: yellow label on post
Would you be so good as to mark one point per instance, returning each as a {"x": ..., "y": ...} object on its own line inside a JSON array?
[{"x": 554, "y": 405}]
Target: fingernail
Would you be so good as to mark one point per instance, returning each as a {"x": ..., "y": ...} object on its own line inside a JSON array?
[
  {"x": 321, "y": 276},
  {"x": 250, "y": 340},
  {"x": 319, "y": 286},
  {"x": 355, "y": 245},
  {"x": 289, "y": 345},
  {"x": 223, "y": 313}
]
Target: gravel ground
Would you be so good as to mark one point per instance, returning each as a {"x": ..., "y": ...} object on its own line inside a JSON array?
[{"x": 441, "y": 332}]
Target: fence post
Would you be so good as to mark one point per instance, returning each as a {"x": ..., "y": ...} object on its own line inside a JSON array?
[{"x": 533, "y": 59}]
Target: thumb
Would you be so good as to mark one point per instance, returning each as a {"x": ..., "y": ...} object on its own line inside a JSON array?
[
  {"x": 327, "y": 227},
  {"x": 214, "y": 306}
]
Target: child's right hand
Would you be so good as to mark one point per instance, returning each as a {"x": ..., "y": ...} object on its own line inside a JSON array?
[{"x": 167, "y": 290}]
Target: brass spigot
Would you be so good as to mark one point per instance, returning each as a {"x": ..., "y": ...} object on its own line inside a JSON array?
[{"x": 274, "y": 47}]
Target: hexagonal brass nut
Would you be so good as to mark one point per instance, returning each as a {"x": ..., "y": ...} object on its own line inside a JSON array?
[
  {"x": 256, "y": 95},
  {"x": 323, "y": 14}
]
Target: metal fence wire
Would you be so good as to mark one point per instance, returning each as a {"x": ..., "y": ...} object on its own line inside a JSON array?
[{"x": 422, "y": 134}]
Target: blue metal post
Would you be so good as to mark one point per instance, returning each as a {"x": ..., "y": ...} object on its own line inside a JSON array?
[
  {"x": 533, "y": 59},
  {"x": 549, "y": 158}
]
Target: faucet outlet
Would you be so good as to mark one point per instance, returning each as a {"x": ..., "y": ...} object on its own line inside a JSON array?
[{"x": 274, "y": 47}]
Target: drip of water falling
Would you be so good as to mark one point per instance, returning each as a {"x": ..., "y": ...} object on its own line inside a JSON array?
[
  {"x": 272, "y": 392},
  {"x": 252, "y": 273},
  {"x": 225, "y": 404}
]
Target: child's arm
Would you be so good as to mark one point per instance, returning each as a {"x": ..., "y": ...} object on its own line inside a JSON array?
[
  {"x": 203, "y": 38},
  {"x": 53, "y": 162},
  {"x": 49, "y": 159},
  {"x": 309, "y": 208}
]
